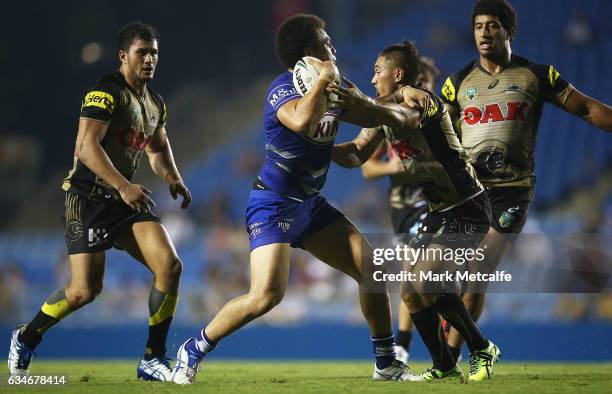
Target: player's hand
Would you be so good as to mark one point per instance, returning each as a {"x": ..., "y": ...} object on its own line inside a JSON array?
[
  {"x": 414, "y": 98},
  {"x": 178, "y": 188},
  {"x": 395, "y": 166},
  {"x": 347, "y": 98},
  {"x": 136, "y": 197},
  {"x": 328, "y": 71}
]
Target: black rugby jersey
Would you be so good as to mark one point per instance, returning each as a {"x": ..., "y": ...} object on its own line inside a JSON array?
[
  {"x": 499, "y": 116},
  {"x": 434, "y": 158},
  {"x": 132, "y": 120}
]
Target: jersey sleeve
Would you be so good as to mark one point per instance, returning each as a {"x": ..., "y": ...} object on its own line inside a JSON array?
[
  {"x": 553, "y": 88},
  {"x": 281, "y": 91},
  {"x": 163, "y": 111},
  {"x": 449, "y": 91},
  {"x": 101, "y": 101},
  {"x": 434, "y": 109}
]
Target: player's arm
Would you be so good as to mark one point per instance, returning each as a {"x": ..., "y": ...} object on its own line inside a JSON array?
[
  {"x": 162, "y": 163},
  {"x": 302, "y": 115},
  {"x": 356, "y": 152},
  {"x": 396, "y": 116},
  {"x": 90, "y": 152},
  {"x": 591, "y": 110},
  {"x": 376, "y": 167},
  {"x": 414, "y": 98}
]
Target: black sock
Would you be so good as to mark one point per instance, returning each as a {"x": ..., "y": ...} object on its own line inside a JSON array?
[
  {"x": 32, "y": 333},
  {"x": 54, "y": 309},
  {"x": 455, "y": 351},
  {"x": 427, "y": 323},
  {"x": 403, "y": 339},
  {"x": 161, "y": 310},
  {"x": 451, "y": 307},
  {"x": 156, "y": 344}
]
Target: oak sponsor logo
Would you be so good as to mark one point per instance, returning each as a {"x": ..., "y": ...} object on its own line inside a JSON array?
[
  {"x": 130, "y": 138},
  {"x": 404, "y": 150},
  {"x": 515, "y": 110},
  {"x": 99, "y": 99}
]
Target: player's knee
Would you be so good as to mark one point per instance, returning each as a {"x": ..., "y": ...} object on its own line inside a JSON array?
[
  {"x": 83, "y": 295},
  {"x": 171, "y": 268},
  {"x": 411, "y": 300},
  {"x": 473, "y": 301},
  {"x": 263, "y": 302}
]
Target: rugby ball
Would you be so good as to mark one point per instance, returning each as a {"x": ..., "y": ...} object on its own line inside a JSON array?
[{"x": 304, "y": 75}]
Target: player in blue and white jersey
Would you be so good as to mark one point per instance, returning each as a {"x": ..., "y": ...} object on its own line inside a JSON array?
[{"x": 286, "y": 210}]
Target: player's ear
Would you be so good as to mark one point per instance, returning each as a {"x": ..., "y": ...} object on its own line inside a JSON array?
[
  {"x": 122, "y": 55},
  {"x": 398, "y": 75}
]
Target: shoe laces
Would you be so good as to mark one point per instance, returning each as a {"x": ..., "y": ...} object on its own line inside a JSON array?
[
  {"x": 430, "y": 371},
  {"x": 475, "y": 358},
  {"x": 159, "y": 361},
  {"x": 25, "y": 356}
]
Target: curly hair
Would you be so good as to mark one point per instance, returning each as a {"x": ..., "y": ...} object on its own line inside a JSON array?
[
  {"x": 134, "y": 30},
  {"x": 295, "y": 35},
  {"x": 499, "y": 8},
  {"x": 405, "y": 56}
]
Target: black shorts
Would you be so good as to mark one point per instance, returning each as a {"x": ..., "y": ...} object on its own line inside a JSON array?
[
  {"x": 509, "y": 207},
  {"x": 91, "y": 225},
  {"x": 403, "y": 219},
  {"x": 461, "y": 227}
]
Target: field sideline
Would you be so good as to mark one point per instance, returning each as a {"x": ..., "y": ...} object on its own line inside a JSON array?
[{"x": 87, "y": 376}]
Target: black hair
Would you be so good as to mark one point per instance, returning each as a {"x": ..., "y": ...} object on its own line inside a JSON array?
[
  {"x": 428, "y": 65},
  {"x": 405, "y": 56},
  {"x": 295, "y": 35},
  {"x": 134, "y": 30},
  {"x": 499, "y": 8}
]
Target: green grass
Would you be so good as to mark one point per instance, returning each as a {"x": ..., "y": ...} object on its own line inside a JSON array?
[{"x": 317, "y": 377}]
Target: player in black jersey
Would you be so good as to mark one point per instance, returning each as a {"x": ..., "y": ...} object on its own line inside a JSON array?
[
  {"x": 121, "y": 118},
  {"x": 498, "y": 102},
  {"x": 459, "y": 211},
  {"x": 407, "y": 203}
]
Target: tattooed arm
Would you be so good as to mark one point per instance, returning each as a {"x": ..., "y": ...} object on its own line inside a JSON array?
[{"x": 356, "y": 152}]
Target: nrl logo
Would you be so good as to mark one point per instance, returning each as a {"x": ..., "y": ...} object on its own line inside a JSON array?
[
  {"x": 284, "y": 224},
  {"x": 471, "y": 93}
]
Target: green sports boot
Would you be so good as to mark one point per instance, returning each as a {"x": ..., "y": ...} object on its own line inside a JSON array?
[{"x": 481, "y": 363}]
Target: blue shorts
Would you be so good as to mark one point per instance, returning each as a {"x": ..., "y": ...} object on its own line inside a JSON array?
[{"x": 272, "y": 218}]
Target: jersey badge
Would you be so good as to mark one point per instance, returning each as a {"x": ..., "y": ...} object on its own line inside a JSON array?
[
  {"x": 448, "y": 90},
  {"x": 507, "y": 218},
  {"x": 471, "y": 93}
]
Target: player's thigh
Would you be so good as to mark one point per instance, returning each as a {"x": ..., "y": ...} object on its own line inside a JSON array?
[
  {"x": 87, "y": 271},
  {"x": 342, "y": 246},
  {"x": 494, "y": 247},
  {"x": 270, "y": 269},
  {"x": 434, "y": 274},
  {"x": 149, "y": 243}
]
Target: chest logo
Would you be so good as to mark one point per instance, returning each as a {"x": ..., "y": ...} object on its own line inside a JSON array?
[
  {"x": 493, "y": 84},
  {"x": 130, "y": 138},
  {"x": 515, "y": 110},
  {"x": 471, "y": 93},
  {"x": 326, "y": 130},
  {"x": 404, "y": 150}
]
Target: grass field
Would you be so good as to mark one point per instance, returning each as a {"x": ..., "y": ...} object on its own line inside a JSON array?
[{"x": 317, "y": 377}]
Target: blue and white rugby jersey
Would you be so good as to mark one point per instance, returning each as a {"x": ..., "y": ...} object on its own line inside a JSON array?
[{"x": 296, "y": 165}]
